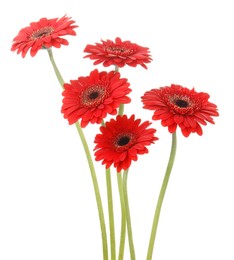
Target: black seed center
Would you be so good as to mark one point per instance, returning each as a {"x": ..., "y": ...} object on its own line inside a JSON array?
[
  {"x": 181, "y": 103},
  {"x": 93, "y": 95},
  {"x": 116, "y": 48},
  {"x": 39, "y": 35},
  {"x": 42, "y": 32},
  {"x": 123, "y": 140}
]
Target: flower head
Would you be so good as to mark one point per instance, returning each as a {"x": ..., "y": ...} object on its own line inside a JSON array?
[
  {"x": 119, "y": 53},
  {"x": 91, "y": 98},
  {"x": 121, "y": 140},
  {"x": 43, "y": 34},
  {"x": 179, "y": 106}
]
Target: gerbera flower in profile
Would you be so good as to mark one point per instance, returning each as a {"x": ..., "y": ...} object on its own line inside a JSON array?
[
  {"x": 179, "y": 106},
  {"x": 91, "y": 98},
  {"x": 121, "y": 140},
  {"x": 43, "y": 34},
  {"x": 118, "y": 53}
]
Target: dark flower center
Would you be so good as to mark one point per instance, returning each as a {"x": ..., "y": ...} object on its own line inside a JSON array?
[
  {"x": 120, "y": 50},
  {"x": 42, "y": 33},
  {"x": 116, "y": 49},
  {"x": 123, "y": 140},
  {"x": 94, "y": 96},
  {"x": 181, "y": 103}
]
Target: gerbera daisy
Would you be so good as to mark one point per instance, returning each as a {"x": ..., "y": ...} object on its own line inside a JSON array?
[
  {"x": 91, "y": 98},
  {"x": 118, "y": 53},
  {"x": 43, "y": 34},
  {"x": 180, "y": 106},
  {"x": 121, "y": 140}
]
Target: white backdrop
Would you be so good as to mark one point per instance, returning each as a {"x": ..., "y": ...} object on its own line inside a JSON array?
[{"x": 47, "y": 204}]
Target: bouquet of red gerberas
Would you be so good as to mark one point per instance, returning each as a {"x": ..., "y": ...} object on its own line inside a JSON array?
[{"x": 90, "y": 99}]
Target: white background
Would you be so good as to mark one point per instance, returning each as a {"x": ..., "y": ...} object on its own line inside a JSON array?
[{"x": 47, "y": 204}]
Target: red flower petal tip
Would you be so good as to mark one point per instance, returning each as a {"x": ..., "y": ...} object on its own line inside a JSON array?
[
  {"x": 45, "y": 33},
  {"x": 122, "y": 140},
  {"x": 178, "y": 106},
  {"x": 93, "y": 97},
  {"x": 118, "y": 53}
]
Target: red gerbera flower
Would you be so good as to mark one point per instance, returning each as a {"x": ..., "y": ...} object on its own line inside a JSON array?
[
  {"x": 43, "y": 34},
  {"x": 177, "y": 105},
  {"x": 119, "y": 53},
  {"x": 91, "y": 98},
  {"x": 121, "y": 140}
]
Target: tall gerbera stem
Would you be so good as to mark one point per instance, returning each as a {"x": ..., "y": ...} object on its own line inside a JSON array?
[
  {"x": 110, "y": 211},
  {"x": 128, "y": 217},
  {"x": 97, "y": 192},
  {"x": 161, "y": 197},
  {"x": 123, "y": 217},
  {"x": 121, "y": 196},
  {"x": 91, "y": 167},
  {"x": 111, "y": 214},
  {"x": 56, "y": 70}
]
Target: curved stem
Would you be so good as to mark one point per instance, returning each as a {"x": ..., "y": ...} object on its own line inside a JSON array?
[
  {"x": 121, "y": 196},
  {"x": 123, "y": 217},
  {"x": 128, "y": 217},
  {"x": 110, "y": 210},
  {"x": 161, "y": 197},
  {"x": 91, "y": 167},
  {"x": 97, "y": 192},
  {"x": 56, "y": 70},
  {"x": 111, "y": 213}
]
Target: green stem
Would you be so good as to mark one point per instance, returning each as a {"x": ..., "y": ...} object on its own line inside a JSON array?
[
  {"x": 91, "y": 167},
  {"x": 121, "y": 109},
  {"x": 97, "y": 192},
  {"x": 111, "y": 213},
  {"x": 123, "y": 217},
  {"x": 58, "y": 75},
  {"x": 116, "y": 68},
  {"x": 128, "y": 217},
  {"x": 120, "y": 187},
  {"x": 121, "y": 196},
  {"x": 161, "y": 197},
  {"x": 110, "y": 210}
]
